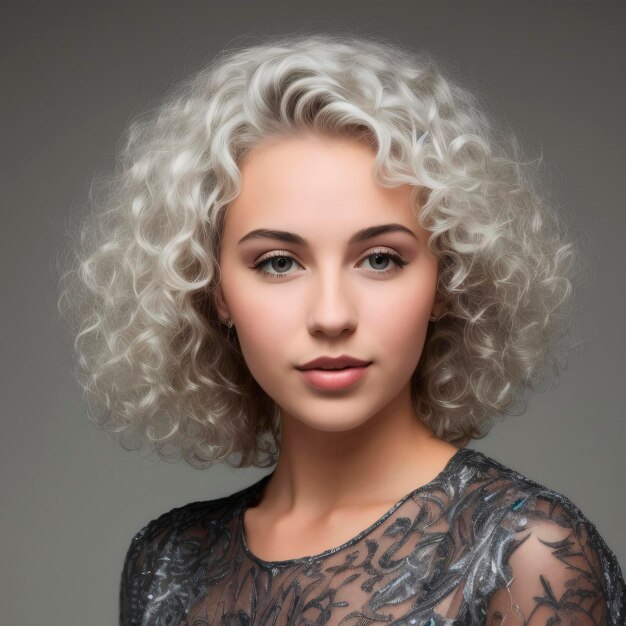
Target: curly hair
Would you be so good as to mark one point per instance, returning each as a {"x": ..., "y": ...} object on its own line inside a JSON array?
[{"x": 153, "y": 355}]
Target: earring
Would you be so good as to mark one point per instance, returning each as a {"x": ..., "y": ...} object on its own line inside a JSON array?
[{"x": 228, "y": 323}]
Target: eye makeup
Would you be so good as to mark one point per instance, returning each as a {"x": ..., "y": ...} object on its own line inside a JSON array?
[{"x": 398, "y": 261}]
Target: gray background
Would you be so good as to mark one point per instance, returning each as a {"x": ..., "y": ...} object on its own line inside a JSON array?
[{"x": 74, "y": 74}]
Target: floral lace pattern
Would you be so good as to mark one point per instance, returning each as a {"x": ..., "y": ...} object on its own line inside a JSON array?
[{"x": 480, "y": 544}]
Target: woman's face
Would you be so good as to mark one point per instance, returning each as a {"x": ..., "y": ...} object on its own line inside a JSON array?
[{"x": 332, "y": 293}]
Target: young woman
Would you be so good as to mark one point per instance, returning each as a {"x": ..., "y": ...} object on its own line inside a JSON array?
[{"x": 320, "y": 254}]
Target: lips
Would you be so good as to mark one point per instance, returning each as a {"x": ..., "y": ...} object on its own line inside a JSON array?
[
  {"x": 333, "y": 363},
  {"x": 334, "y": 380}
]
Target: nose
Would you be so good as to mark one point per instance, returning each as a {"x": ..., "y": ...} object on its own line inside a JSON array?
[{"x": 332, "y": 309}]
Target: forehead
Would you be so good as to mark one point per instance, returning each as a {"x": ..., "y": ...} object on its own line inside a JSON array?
[{"x": 317, "y": 184}]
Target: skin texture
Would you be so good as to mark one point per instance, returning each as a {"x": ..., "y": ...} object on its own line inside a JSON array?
[{"x": 346, "y": 456}]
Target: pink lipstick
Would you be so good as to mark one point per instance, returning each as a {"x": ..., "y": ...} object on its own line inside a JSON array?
[
  {"x": 334, "y": 380},
  {"x": 333, "y": 373}
]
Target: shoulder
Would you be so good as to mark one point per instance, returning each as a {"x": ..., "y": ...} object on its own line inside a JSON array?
[
  {"x": 165, "y": 556},
  {"x": 511, "y": 498},
  {"x": 198, "y": 517},
  {"x": 500, "y": 484},
  {"x": 178, "y": 522},
  {"x": 536, "y": 550}
]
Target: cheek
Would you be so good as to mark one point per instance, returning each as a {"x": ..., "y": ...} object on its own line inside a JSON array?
[
  {"x": 262, "y": 326},
  {"x": 266, "y": 332},
  {"x": 266, "y": 320},
  {"x": 398, "y": 318}
]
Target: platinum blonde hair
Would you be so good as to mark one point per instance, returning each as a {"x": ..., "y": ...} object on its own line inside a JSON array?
[{"x": 156, "y": 363}]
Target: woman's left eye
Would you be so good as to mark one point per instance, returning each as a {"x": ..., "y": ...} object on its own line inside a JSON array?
[{"x": 281, "y": 261}]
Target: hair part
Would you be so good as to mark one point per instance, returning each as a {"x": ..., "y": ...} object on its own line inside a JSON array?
[{"x": 155, "y": 361}]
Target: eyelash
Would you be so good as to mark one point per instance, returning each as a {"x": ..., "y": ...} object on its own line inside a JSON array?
[{"x": 398, "y": 260}]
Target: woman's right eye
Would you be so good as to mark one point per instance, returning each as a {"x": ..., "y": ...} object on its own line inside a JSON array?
[{"x": 279, "y": 262}]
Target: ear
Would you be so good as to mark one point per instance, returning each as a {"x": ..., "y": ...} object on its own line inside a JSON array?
[
  {"x": 439, "y": 304},
  {"x": 220, "y": 303}
]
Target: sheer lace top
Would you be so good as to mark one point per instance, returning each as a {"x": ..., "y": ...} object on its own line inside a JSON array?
[{"x": 480, "y": 544}]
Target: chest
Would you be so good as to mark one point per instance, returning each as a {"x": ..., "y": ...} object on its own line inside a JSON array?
[
  {"x": 391, "y": 573},
  {"x": 273, "y": 539}
]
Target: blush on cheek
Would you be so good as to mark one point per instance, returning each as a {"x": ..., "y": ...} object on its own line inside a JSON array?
[
  {"x": 261, "y": 346},
  {"x": 406, "y": 330}
]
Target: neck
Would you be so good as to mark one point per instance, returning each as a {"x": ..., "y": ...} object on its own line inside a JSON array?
[{"x": 378, "y": 461}]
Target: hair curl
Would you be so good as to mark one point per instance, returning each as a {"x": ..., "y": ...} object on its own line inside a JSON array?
[{"x": 152, "y": 351}]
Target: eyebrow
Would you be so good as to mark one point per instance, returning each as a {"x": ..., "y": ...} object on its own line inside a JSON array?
[{"x": 361, "y": 235}]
